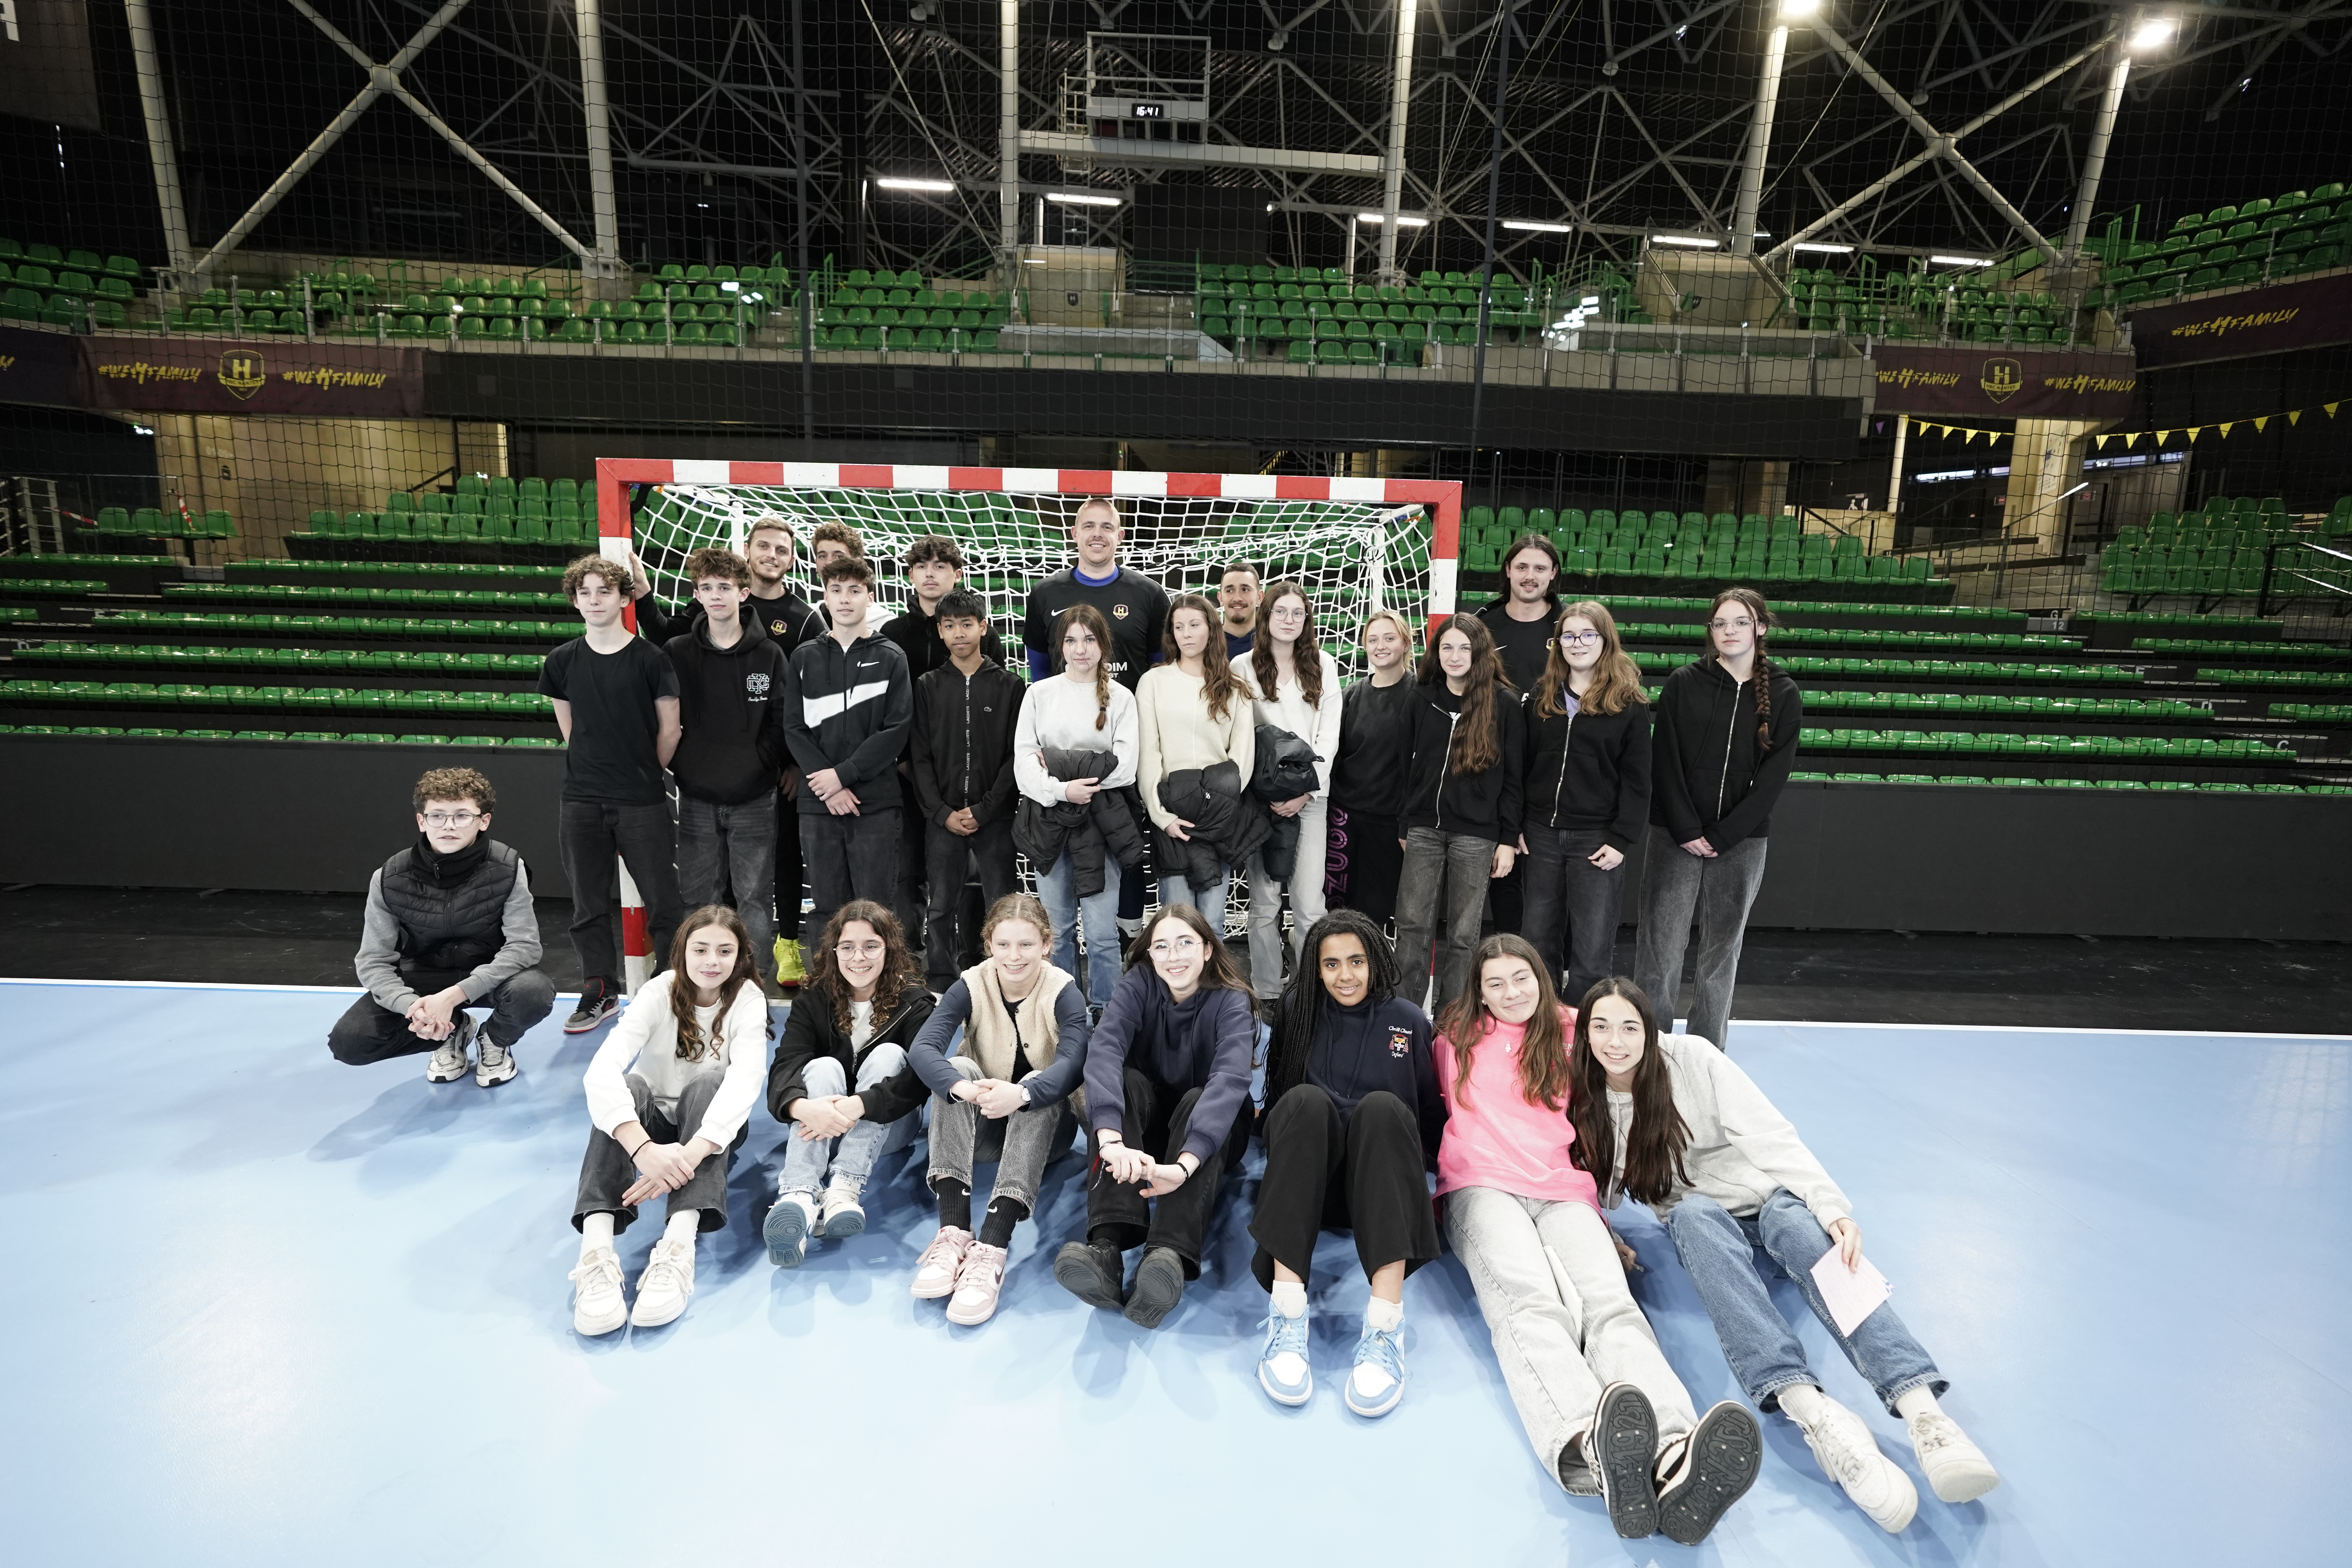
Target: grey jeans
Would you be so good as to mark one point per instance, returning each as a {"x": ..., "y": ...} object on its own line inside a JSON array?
[
  {"x": 724, "y": 848},
  {"x": 1564, "y": 1323},
  {"x": 1675, "y": 884},
  {"x": 1305, "y": 891},
  {"x": 606, "y": 1172},
  {"x": 1571, "y": 906},
  {"x": 1029, "y": 1140},
  {"x": 1457, "y": 867}
]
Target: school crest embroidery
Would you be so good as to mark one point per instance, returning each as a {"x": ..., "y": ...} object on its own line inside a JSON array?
[
  {"x": 1400, "y": 1043},
  {"x": 757, "y": 685}
]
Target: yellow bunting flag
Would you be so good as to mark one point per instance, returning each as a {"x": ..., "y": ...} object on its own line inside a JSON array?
[
  {"x": 2226, "y": 429},
  {"x": 2195, "y": 431},
  {"x": 2263, "y": 421},
  {"x": 2295, "y": 417},
  {"x": 2102, "y": 441},
  {"x": 2162, "y": 436},
  {"x": 2331, "y": 410}
]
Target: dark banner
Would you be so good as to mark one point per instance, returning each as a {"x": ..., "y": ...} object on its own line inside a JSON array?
[
  {"x": 40, "y": 367},
  {"x": 198, "y": 375},
  {"x": 2251, "y": 321},
  {"x": 2004, "y": 382},
  {"x": 45, "y": 67}
]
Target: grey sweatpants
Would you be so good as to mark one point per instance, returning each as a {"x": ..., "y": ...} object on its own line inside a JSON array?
[{"x": 1674, "y": 885}]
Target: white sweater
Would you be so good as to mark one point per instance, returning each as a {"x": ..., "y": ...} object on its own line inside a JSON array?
[
  {"x": 1178, "y": 733},
  {"x": 1059, "y": 713},
  {"x": 1317, "y": 724},
  {"x": 1742, "y": 1150},
  {"x": 645, "y": 1042}
]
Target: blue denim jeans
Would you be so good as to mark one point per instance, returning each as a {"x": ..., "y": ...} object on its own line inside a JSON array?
[
  {"x": 1720, "y": 1253},
  {"x": 1210, "y": 900},
  {"x": 846, "y": 1161},
  {"x": 1057, "y": 888}
]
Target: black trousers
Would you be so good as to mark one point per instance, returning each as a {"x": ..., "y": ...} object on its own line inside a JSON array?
[
  {"x": 1571, "y": 907},
  {"x": 790, "y": 884},
  {"x": 952, "y": 940},
  {"x": 372, "y": 1032},
  {"x": 1364, "y": 864},
  {"x": 850, "y": 857},
  {"x": 1326, "y": 1169},
  {"x": 607, "y": 1171},
  {"x": 592, "y": 834},
  {"x": 1158, "y": 1118}
]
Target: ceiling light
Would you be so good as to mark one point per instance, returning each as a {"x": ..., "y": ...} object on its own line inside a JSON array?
[
  {"x": 1402, "y": 221},
  {"x": 1082, "y": 199},
  {"x": 2152, "y": 34},
  {"x": 1957, "y": 261},
  {"x": 1800, "y": 10},
  {"x": 1525, "y": 227},
  {"x": 1689, "y": 239},
  {"x": 901, "y": 182},
  {"x": 1819, "y": 248}
]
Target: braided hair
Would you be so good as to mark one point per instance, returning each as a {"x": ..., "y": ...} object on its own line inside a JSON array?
[
  {"x": 1751, "y": 600},
  {"x": 1087, "y": 615},
  {"x": 1303, "y": 1001}
]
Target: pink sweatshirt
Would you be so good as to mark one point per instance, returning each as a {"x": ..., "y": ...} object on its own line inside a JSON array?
[{"x": 1498, "y": 1140}]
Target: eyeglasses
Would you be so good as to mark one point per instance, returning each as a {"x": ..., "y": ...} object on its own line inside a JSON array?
[
  {"x": 1180, "y": 945},
  {"x": 1740, "y": 624},
  {"x": 1578, "y": 639},
  {"x": 858, "y": 950},
  {"x": 452, "y": 818}
]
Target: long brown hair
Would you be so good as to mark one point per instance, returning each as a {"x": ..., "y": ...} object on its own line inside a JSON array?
[
  {"x": 1087, "y": 615},
  {"x": 693, "y": 1044},
  {"x": 1543, "y": 1054},
  {"x": 1476, "y": 746},
  {"x": 1306, "y": 653},
  {"x": 1655, "y": 1144},
  {"x": 1219, "y": 684},
  {"x": 1751, "y": 600},
  {"x": 1616, "y": 678},
  {"x": 899, "y": 974},
  {"x": 1219, "y": 970}
]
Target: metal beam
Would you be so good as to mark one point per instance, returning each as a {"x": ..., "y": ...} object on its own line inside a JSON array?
[
  {"x": 1195, "y": 154},
  {"x": 606, "y": 261},
  {"x": 2095, "y": 161},
  {"x": 1399, "y": 99},
  {"x": 1759, "y": 144},
  {"x": 160, "y": 151},
  {"x": 1009, "y": 139}
]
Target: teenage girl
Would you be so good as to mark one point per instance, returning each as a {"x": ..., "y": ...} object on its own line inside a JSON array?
[
  {"x": 1604, "y": 1411},
  {"x": 1296, "y": 685},
  {"x": 1376, "y": 716},
  {"x": 1193, "y": 712},
  {"x": 1588, "y": 792},
  {"x": 1725, "y": 740},
  {"x": 1669, "y": 1119},
  {"x": 1024, "y": 1028},
  {"x": 1461, "y": 802},
  {"x": 670, "y": 1092},
  {"x": 1080, "y": 709}
]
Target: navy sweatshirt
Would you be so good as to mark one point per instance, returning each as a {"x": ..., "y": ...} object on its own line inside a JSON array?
[
  {"x": 1376, "y": 1045},
  {"x": 1203, "y": 1042}
]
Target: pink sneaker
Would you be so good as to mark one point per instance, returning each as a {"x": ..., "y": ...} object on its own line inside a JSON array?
[
  {"x": 977, "y": 1285},
  {"x": 936, "y": 1270}
]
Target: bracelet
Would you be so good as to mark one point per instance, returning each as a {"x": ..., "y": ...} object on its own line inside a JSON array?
[{"x": 641, "y": 1148}]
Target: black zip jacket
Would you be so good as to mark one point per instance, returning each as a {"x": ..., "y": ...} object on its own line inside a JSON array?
[
  {"x": 1286, "y": 770},
  {"x": 918, "y": 636},
  {"x": 1708, "y": 780},
  {"x": 1482, "y": 805},
  {"x": 810, "y": 1031},
  {"x": 960, "y": 753},
  {"x": 855, "y": 705},
  {"x": 731, "y": 702},
  {"x": 1375, "y": 739},
  {"x": 1227, "y": 821},
  {"x": 1589, "y": 771}
]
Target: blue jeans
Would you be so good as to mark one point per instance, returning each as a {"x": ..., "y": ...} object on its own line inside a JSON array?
[
  {"x": 1720, "y": 1253},
  {"x": 1057, "y": 887},
  {"x": 849, "y": 1158},
  {"x": 1209, "y": 900}
]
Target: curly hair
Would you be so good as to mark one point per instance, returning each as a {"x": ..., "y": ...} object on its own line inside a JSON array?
[
  {"x": 712, "y": 563},
  {"x": 1304, "y": 999},
  {"x": 900, "y": 973},
  {"x": 1477, "y": 744},
  {"x": 615, "y": 575},
  {"x": 455, "y": 783},
  {"x": 693, "y": 1045},
  {"x": 838, "y": 534}
]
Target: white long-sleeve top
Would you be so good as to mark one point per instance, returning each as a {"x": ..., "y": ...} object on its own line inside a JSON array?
[
  {"x": 1059, "y": 713},
  {"x": 1742, "y": 1150},
  {"x": 1317, "y": 724},
  {"x": 645, "y": 1042},
  {"x": 1171, "y": 713}
]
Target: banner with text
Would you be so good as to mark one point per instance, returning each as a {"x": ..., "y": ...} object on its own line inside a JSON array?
[
  {"x": 45, "y": 64},
  {"x": 2250, "y": 321},
  {"x": 2004, "y": 382},
  {"x": 190, "y": 376},
  {"x": 42, "y": 368}
]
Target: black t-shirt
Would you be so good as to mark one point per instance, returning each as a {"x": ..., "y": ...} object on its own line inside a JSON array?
[
  {"x": 1375, "y": 744},
  {"x": 1523, "y": 644},
  {"x": 615, "y": 752},
  {"x": 1135, "y": 606}
]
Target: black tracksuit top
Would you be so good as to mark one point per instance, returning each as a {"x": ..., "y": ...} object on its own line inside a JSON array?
[
  {"x": 1589, "y": 771},
  {"x": 1707, "y": 777},
  {"x": 1485, "y": 804}
]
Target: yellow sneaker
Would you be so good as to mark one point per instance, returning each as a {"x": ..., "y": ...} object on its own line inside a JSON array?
[{"x": 789, "y": 969}]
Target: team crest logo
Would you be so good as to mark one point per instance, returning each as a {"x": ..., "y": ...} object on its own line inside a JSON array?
[
  {"x": 2001, "y": 379},
  {"x": 757, "y": 685},
  {"x": 1400, "y": 1043},
  {"x": 1118, "y": 612},
  {"x": 243, "y": 373}
]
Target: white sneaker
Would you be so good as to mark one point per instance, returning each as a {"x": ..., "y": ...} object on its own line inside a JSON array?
[
  {"x": 936, "y": 1270},
  {"x": 452, "y": 1061},
  {"x": 666, "y": 1286},
  {"x": 1849, "y": 1454},
  {"x": 497, "y": 1063},
  {"x": 596, "y": 1304},
  {"x": 1955, "y": 1468},
  {"x": 841, "y": 1213}
]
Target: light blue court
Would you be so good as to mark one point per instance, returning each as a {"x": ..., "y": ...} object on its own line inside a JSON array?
[{"x": 268, "y": 1309}]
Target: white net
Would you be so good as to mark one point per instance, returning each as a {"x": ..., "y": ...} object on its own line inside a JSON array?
[{"x": 1351, "y": 556}]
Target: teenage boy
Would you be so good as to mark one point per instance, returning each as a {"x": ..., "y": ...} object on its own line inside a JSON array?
[
  {"x": 789, "y": 621},
  {"x": 449, "y": 926},
  {"x": 616, "y": 698},
  {"x": 962, "y": 753},
  {"x": 934, "y": 570},
  {"x": 833, "y": 541},
  {"x": 734, "y": 688},
  {"x": 1521, "y": 620},
  {"x": 1237, "y": 596},
  {"x": 846, "y": 731}
]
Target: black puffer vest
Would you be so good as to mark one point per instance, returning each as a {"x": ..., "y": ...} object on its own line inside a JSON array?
[{"x": 453, "y": 927}]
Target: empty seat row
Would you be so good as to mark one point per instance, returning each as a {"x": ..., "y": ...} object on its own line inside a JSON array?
[{"x": 297, "y": 735}]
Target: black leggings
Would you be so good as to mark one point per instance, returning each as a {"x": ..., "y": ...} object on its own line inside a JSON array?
[{"x": 1326, "y": 1169}]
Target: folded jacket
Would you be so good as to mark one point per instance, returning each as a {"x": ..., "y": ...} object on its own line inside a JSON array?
[
  {"x": 1228, "y": 824},
  {"x": 1286, "y": 770},
  {"x": 1110, "y": 825}
]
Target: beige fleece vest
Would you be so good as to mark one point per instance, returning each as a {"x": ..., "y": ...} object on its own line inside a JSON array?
[{"x": 988, "y": 1036}]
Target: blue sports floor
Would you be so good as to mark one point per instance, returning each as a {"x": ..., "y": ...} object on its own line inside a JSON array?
[{"x": 268, "y": 1309}]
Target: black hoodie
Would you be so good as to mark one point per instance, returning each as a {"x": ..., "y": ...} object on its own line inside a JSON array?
[
  {"x": 1589, "y": 771},
  {"x": 1481, "y": 804},
  {"x": 731, "y": 703},
  {"x": 1708, "y": 780}
]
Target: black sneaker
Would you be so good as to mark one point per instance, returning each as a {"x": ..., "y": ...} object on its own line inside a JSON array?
[
  {"x": 1095, "y": 1275},
  {"x": 1620, "y": 1448},
  {"x": 1719, "y": 1466},
  {"x": 598, "y": 1004},
  {"x": 1158, "y": 1286}
]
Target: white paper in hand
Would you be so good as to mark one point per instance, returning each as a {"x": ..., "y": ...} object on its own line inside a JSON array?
[{"x": 1852, "y": 1294}]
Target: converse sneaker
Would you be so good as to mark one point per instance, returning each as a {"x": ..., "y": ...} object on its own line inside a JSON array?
[
  {"x": 935, "y": 1272},
  {"x": 1717, "y": 1466},
  {"x": 1282, "y": 1369},
  {"x": 598, "y": 1004},
  {"x": 787, "y": 1230},
  {"x": 1377, "y": 1381},
  {"x": 596, "y": 1304},
  {"x": 1095, "y": 1275},
  {"x": 666, "y": 1286},
  {"x": 1957, "y": 1469},
  {"x": 978, "y": 1284},
  {"x": 792, "y": 969},
  {"x": 1623, "y": 1442},
  {"x": 452, "y": 1061},
  {"x": 1158, "y": 1286},
  {"x": 843, "y": 1216},
  {"x": 1848, "y": 1455},
  {"x": 497, "y": 1063}
]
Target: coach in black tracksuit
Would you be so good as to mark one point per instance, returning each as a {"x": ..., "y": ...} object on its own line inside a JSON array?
[{"x": 846, "y": 731}]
